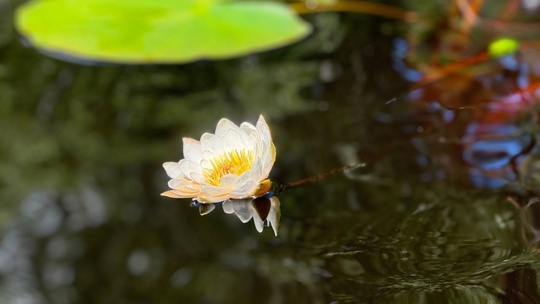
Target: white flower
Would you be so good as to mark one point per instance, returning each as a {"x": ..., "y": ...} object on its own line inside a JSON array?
[{"x": 233, "y": 163}]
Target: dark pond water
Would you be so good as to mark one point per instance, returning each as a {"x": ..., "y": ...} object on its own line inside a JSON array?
[{"x": 444, "y": 210}]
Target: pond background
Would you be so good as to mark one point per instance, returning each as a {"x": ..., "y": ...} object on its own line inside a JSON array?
[{"x": 82, "y": 220}]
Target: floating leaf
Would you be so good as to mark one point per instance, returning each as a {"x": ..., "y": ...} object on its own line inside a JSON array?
[{"x": 159, "y": 31}]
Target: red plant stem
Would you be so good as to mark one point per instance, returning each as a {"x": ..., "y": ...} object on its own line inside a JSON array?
[
  {"x": 452, "y": 68},
  {"x": 471, "y": 16}
]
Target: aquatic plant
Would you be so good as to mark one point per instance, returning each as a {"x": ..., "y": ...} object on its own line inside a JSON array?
[
  {"x": 231, "y": 168},
  {"x": 233, "y": 163},
  {"x": 163, "y": 31}
]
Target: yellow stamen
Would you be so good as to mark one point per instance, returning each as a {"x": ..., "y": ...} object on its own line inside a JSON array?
[{"x": 231, "y": 162}]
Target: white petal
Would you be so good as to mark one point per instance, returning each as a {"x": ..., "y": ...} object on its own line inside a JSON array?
[
  {"x": 248, "y": 129},
  {"x": 251, "y": 136},
  {"x": 243, "y": 209},
  {"x": 268, "y": 161},
  {"x": 248, "y": 133},
  {"x": 228, "y": 206},
  {"x": 263, "y": 129},
  {"x": 185, "y": 186},
  {"x": 205, "y": 161},
  {"x": 256, "y": 172},
  {"x": 192, "y": 149},
  {"x": 204, "y": 198},
  {"x": 234, "y": 140},
  {"x": 223, "y": 126},
  {"x": 259, "y": 224},
  {"x": 245, "y": 189},
  {"x": 174, "y": 183},
  {"x": 188, "y": 167},
  {"x": 215, "y": 145},
  {"x": 192, "y": 186},
  {"x": 173, "y": 169},
  {"x": 275, "y": 214},
  {"x": 243, "y": 186},
  {"x": 206, "y": 164},
  {"x": 210, "y": 191},
  {"x": 268, "y": 154},
  {"x": 206, "y": 137},
  {"x": 228, "y": 181},
  {"x": 197, "y": 177}
]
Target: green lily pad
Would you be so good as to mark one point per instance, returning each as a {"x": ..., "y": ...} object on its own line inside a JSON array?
[{"x": 157, "y": 31}]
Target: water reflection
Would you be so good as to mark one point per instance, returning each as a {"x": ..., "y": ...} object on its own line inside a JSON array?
[
  {"x": 40, "y": 247},
  {"x": 481, "y": 111},
  {"x": 261, "y": 209},
  {"x": 443, "y": 251},
  {"x": 427, "y": 218},
  {"x": 529, "y": 218}
]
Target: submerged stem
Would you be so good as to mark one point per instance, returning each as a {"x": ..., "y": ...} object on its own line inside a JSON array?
[{"x": 280, "y": 188}]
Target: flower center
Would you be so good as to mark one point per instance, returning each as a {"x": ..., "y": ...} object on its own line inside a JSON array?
[{"x": 231, "y": 162}]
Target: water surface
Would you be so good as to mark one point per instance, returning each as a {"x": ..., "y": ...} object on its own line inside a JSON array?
[{"x": 436, "y": 215}]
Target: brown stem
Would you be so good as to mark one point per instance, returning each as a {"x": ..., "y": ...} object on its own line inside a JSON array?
[
  {"x": 322, "y": 175},
  {"x": 371, "y": 8}
]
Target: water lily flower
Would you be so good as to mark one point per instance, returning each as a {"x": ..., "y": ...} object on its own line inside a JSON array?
[{"x": 233, "y": 163}]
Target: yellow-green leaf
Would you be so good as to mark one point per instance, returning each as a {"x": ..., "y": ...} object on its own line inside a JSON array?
[
  {"x": 502, "y": 47},
  {"x": 157, "y": 31}
]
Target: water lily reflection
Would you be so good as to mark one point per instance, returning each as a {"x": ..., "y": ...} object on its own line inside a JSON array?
[{"x": 261, "y": 209}]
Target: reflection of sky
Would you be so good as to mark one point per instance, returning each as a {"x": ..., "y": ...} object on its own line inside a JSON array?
[
  {"x": 400, "y": 53},
  {"x": 488, "y": 158},
  {"x": 511, "y": 63},
  {"x": 479, "y": 178},
  {"x": 488, "y": 148},
  {"x": 489, "y": 155}
]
